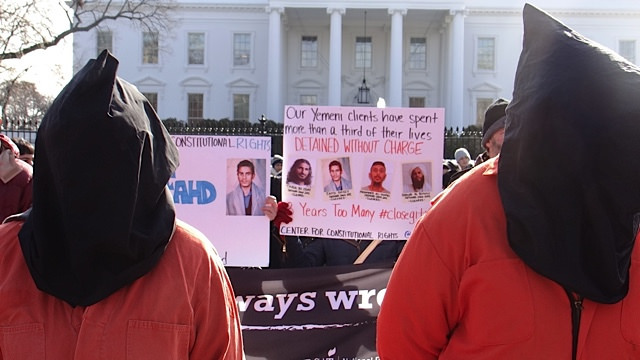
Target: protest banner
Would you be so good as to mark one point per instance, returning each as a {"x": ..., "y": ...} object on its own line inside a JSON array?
[
  {"x": 327, "y": 312},
  {"x": 360, "y": 172},
  {"x": 207, "y": 194}
]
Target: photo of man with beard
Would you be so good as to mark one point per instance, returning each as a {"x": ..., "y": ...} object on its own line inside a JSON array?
[
  {"x": 417, "y": 179},
  {"x": 300, "y": 173},
  {"x": 377, "y": 175}
]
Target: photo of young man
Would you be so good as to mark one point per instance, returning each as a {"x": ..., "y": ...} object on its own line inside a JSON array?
[
  {"x": 247, "y": 198},
  {"x": 338, "y": 182}
]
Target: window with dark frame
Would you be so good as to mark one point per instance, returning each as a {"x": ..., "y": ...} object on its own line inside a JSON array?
[
  {"x": 241, "y": 106},
  {"x": 418, "y": 53},
  {"x": 309, "y": 52},
  {"x": 486, "y": 53},
  {"x": 152, "y": 98},
  {"x": 417, "y": 102},
  {"x": 363, "y": 52},
  {"x": 104, "y": 41},
  {"x": 150, "y": 47},
  {"x": 241, "y": 49},
  {"x": 311, "y": 100},
  {"x": 196, "y": 48},
  {"x": 195, "y": 106}
]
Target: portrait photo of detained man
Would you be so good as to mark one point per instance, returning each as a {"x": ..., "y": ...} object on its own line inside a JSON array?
[
  {"x": 338, "y": 180},
  {"x": 300, "y": 173},
  {"x": 246, "y": 198},
  {"x": 417, "y": 177},
  {"x": 377, "y": 176}
]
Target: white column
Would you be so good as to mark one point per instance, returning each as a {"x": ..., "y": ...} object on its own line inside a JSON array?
[
  {"x": 454, "y": 113},
  {"x": 395, "y": 58},
  {"x": 335, "y": 57},
  {"x": 275, "y": 107}
]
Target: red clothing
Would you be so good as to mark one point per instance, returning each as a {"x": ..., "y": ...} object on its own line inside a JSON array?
[
  {"x": 16, "y": 194},
  {"x": 184, "y": 308},
  {"x": 458, "y": 291}
]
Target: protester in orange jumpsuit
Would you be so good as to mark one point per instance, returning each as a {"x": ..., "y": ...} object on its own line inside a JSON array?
[
  {"x": 100, "y": 268},
  {"x": 541, "y": 263}
]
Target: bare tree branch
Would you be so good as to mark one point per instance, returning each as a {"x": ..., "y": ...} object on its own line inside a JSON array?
[{"x": 29, "y": 25}]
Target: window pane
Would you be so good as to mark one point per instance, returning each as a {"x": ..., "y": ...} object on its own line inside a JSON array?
[
  {"x": 241, "y": 49},
  {"x": 309, "y": 51},
  {"x": 363, "y": 52},
  {"x": 418, "y": 53},
  {"x": 627, "y": 48},
  {"x": 196, "y": 48},
  {"x": 150, "y": 48},
  {"x": 196, "y": 105},
  {"x": 482, "y": 104},
  {"x": 104, "y": 41},
  {"x": 486, "y": 53},
  {"x": 308, "y": 100},
  {"x": 416, "y": 102},
  {"x": 240, "y": 106},
  {"x": 153, "y": 99}
]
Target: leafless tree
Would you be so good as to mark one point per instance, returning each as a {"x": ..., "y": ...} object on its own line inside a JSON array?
[
  {"x": 29, "y": 25},
  {"x": 22, "y": 105}
]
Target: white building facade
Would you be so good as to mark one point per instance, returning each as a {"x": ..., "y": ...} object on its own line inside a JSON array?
[{"x": 242, "y": 59}]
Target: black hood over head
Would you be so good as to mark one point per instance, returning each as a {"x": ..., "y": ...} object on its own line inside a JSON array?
[
  {"x": 102, "y": 215},
  {"x": 573, "y": 119}
]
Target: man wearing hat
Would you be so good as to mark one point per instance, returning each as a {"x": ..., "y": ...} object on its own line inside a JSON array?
[
  {"x": 493, "y": 129},
  {"x": 15, "y": 180}
]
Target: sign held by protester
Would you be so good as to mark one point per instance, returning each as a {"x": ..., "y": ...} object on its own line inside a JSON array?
[
  {"x": 335, "y": 318},
  {"x": 208, "y": 190},
  {"x": 360, "y": 172}
]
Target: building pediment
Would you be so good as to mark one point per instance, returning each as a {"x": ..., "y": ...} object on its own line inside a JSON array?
[
  {"x": 418, "y": 85},
  {"x": 485, "y": 87},
  {"x": 308, "y": 84},
  {"x": 241, "y": 83},
  {"x": 149, "y": 81},
  {"x": 195, "y": 81}
]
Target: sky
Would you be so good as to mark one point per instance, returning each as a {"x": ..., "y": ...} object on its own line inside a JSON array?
[{"x": 49, "y": 69}]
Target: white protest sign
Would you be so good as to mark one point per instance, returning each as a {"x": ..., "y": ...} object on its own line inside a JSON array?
[
  {"x": 207, "y": 194},
  {"x": 360, "y": 172}
]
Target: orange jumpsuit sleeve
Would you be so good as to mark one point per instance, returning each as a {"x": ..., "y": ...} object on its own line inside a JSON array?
[
  {"x": 217, "y": 326},
  {"x": 421, "y": 288}
]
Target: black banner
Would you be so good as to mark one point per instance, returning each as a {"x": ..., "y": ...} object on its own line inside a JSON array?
[{"x": 321, "y": 313}]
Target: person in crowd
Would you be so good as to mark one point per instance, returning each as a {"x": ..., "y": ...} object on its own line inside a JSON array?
[
  {"x": 276, "y": 166},
  {"x": 26, "y": 150},
  {"x": 300, "y": 173},
  {"x": 377, "y": 175},
  {"x": 463, "y": 158},
  {"x": 276, "y": 177},
  {"x": 15, "y": 180},
  {"x": 448, "y": 169},
  {"x": 247, "y": 198},
  {"x": 493, "y": 130},
  {"x": 419, "y": 181},
  {"x": 537, "y": 267},
  {"x": 338, "y": 182},
  {"x": 100, "y": 267}
]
